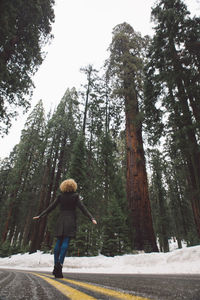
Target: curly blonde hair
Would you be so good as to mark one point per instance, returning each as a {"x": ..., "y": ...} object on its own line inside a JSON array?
[{"x": 68, "y": 185}]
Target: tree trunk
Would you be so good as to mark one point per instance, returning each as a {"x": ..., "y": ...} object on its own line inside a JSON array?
[
  {"x": 190, "y": 148},
  {"x": 36, "y": 234},
  {"x": 6, "y": 227},
  {"x": 27, "y": 228},
  {"x": 179, "y": 243},
  {"x": 89, "y": 73},
  {"x": 162, "y": 215},
  {"x": 137, "y": 186}
]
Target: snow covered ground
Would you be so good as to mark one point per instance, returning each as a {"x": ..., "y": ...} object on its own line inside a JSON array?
[{"x": 186, "y": 260}]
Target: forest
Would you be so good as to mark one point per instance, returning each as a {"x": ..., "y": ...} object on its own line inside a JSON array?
[{"x": 129, "y": 136}]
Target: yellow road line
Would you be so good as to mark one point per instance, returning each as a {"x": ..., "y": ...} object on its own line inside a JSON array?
[
  {"x": 73, "y": 294},
  {"x": 109, "y": 292},
  {"x": 102, "y": 290}
]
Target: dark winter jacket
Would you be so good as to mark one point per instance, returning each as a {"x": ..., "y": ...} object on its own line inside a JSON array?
[{"x": 66, "y": 223}]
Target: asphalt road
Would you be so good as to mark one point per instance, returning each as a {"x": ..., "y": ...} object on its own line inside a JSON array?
[
  {"x": 158, "y": 287},
  {"x": 24, "y": 285}
]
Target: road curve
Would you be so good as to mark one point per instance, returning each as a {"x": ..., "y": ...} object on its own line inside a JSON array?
[{"x": 24, "y": 285}]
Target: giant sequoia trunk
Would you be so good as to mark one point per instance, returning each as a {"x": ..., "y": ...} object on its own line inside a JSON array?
[
  {"x": 126, "y": 68},
  {"x": 137, "y": 186}
]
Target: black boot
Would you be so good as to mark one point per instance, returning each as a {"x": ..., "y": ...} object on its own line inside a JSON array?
[
  {"x": 54, "y": 270},
  {"x": 57, "y": 271}
]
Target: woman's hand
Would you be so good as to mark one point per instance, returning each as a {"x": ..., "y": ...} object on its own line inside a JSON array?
[
  {"x": 94, "y": 221},
  {"x": 36, "y": 218}
]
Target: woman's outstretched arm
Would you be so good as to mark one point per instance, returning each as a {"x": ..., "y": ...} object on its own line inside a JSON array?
[
  {"x": 48, "y": 209},
  {"x": 85, "y": 211}
]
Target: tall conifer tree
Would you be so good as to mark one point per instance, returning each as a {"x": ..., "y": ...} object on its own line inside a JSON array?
[
  {"x": 24, "y": 177},
  {"x": 25, "y": 26},
  {"x": 59, "y": 138},
  {"x": 125, "y": 70},
  {"x": 172, "y": 87}
]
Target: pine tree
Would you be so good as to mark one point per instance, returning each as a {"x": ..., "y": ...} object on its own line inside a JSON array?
[
  {"x": 59, "y": 138},
  {"x": 178, "y": 193},
  {"x": 23, "y": 178},
  {"x": 125, "y": 70},
  {"x": 116, "y": 235},
  {"x": 171, "y": 106},
  {"x": 25, "y": 26},
  {"x": 80, "y": 172},
  {"x": 159, "y": 201},
  {"x": 91, "y": 74}
]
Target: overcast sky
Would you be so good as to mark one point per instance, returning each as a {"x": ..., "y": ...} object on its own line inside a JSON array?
[{"x": 82, "y": 33}]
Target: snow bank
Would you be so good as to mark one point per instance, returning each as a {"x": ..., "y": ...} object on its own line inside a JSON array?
[{"x": 186, "y": 260}]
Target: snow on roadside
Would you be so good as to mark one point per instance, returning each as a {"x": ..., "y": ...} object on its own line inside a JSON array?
[{"x": 186, "y": 260}]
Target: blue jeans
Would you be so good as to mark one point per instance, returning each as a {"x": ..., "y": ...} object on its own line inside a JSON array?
[{"x": 60, "y": 249}]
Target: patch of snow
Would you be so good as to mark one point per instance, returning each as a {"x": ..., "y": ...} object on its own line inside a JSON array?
[{"x": 185, "y": 260}]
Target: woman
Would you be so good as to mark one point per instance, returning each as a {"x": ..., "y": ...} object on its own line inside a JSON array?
[{"x": 68, "y": 200}]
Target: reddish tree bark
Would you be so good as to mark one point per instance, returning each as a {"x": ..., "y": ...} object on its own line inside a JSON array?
[
  {"x": 137, "y": 185},
  {"x": 125, "y": 68}
]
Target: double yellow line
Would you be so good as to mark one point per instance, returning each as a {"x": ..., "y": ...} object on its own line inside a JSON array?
[{"x": 74, "y": 294}]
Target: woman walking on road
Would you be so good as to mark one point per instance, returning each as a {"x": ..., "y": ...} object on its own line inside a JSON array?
[{"x": 68, "y": 201}]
